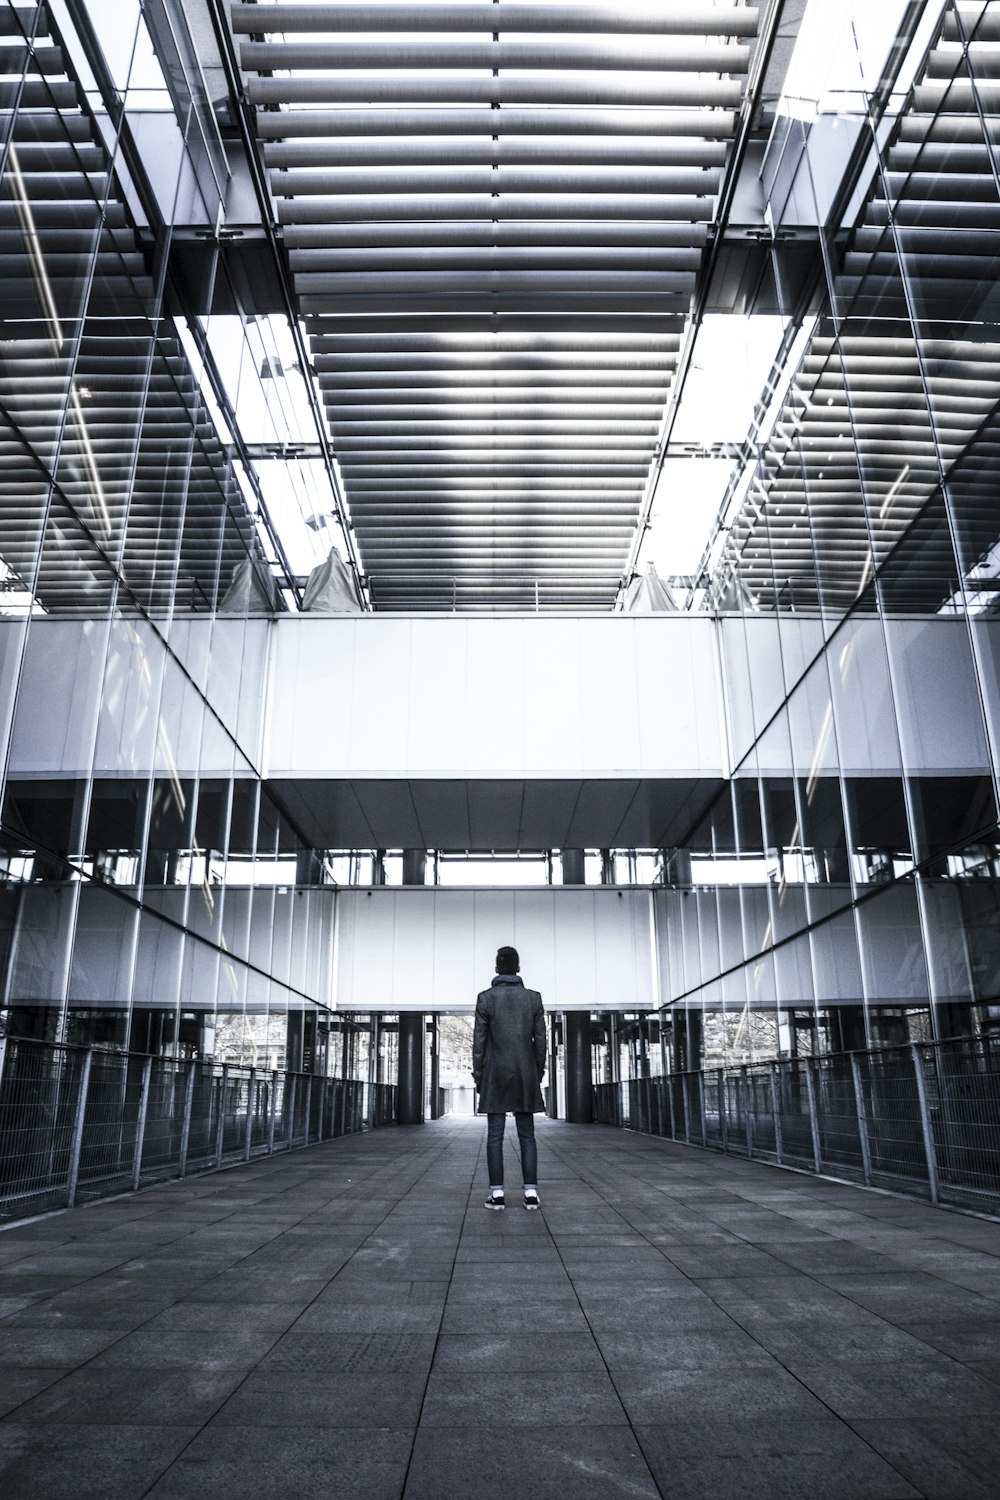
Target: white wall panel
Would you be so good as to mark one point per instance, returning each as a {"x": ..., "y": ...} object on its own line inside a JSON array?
[
  {"x": 506, "y": 697},
  {"x": 425, "y": 948},
  {"x": 931, "y": 662},
  {"x": 611, "y": 697},
  {"x": 127, "y": 730},
  {"x": 558, "y": 710},
  {"x": 390, "y": 696},
  {"x": 493, "y": 694},
  {"x": 111, "y": 692},
  {"x": 434, "y": 705},
  {"x": 58, "y": 697},
  {"x": 378, "y": 729}
]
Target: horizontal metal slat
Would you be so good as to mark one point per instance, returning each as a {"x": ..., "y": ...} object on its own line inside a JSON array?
[
  {"x": 607, "y": 55},
  {"x": 676, "y": 20}
]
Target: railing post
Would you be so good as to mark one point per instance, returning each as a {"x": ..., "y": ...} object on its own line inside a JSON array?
[
  {"x": 270, "y": 1113},
  {"x": 859, "y": 1103},
  {"x": 140, "y": 1124},
  {"x": 747, "y": 1112},
  {"x": 291, "y": 1089},
  {"x": 251, "y": 1104},
  {"x": 3, "y": 1056},
  {"x": 321, "y": 1111},
  {"x": 776, "y": 1112},
  {"x": 813, "y": 1117},
  {"x": 687, "y": 1112},
  {"x": 186, "y": 1125},
  {"x": 723, "y": 1109},
  {"x": 701, "y": 1102},
  {"x": 220, "y": 1124},
  {"x": 76, "y": 1144},
  {"x": 670, "y": 1105},
  {"x": 308, "y": 1111},
  {"x": 925, "y": 1123}
]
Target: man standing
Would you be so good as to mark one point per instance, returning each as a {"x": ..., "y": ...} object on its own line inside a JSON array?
[{"x": 508, "y": 1060}]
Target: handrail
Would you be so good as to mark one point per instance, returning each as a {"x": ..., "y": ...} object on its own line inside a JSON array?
[
  {"x": 80, "y": 1123},
  {"x": 921, "y": 1118}
]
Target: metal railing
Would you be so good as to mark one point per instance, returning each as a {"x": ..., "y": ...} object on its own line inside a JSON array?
[
  {"x": 79, "y": 1123},
  {"x": 922, "y": 1119}
]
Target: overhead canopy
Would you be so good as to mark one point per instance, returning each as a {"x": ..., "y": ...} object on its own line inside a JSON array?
[{"x": 495, "y": 216}]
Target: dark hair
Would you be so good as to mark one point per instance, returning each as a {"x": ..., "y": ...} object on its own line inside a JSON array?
[{"x": 507, "y": 961}]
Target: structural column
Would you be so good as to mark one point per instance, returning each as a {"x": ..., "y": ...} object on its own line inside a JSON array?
[
  {"x": 579, "y": 1080},
  {"x": 687, "y": 1039},
  {"x": 573, "y": 867},
  {"x": 410, "y": 1102},
  {"x": 410, "y": 1109}
]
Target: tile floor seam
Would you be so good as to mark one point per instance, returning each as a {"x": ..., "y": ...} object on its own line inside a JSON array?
[
  {"x": 444, "y": 1307},
  {"x": 833, "y": 1414},
  {"x": 607, "y": 1369},
  {"x": 279, "y": 1336},
  {"x": 126, "y": 1333},
  {"x": 392, "y": 1169}
]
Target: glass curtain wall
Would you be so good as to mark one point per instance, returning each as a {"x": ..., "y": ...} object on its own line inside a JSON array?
[
  {"x": 135, "y": 568},
  {"x": 854, "y": 902}
]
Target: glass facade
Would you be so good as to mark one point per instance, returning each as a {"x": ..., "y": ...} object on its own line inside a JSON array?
[
  {"x": 134, "y": 367},
  {"x": 169, "y": 480},
  {"x": 843, "y": 889}
]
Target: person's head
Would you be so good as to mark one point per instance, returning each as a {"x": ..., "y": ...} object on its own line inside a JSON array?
[{"x": 507, "y": 961}]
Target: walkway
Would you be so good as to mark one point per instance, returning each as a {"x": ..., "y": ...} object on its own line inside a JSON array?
[{"x": 348, "y": 1321}]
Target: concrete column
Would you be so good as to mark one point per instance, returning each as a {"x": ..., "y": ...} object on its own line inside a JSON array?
[
  {"x": 411, "y": 1027},
  {"x": 411, "y": 1068},
  {"x": 687, "y": 1040},
  {"x": 308, "y": 867},
  {"x": 573, "y": 867},
  {"x": 579, "y": 1081},
  {"x": 677, "y": 866},
  {"x": 435, "y": 1089}
]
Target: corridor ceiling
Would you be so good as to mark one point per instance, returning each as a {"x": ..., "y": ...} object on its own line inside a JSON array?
[{"x": 498, "y": 218}]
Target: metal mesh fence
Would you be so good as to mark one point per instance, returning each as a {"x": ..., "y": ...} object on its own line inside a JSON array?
[
  {"x": 80, "y": 1123},
  {"x": 921, "y": 1119}
]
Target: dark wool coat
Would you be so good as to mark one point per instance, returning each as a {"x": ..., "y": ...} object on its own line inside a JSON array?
[{"x": 508, "y": 1047}]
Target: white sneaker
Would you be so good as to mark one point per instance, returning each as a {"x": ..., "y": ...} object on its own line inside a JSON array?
[
  {"x": 494, "y": 1201},
  {"x": 531, "y": 1200}
]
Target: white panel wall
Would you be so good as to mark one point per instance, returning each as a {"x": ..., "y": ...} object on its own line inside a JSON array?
[
  {"x": 390, "y": 695},
  {"x": 521, "y": 697},
  {"x": 425, "y": 949},
  {"x": 927, "y": 661},
  {"x": 110, "y": 692}
]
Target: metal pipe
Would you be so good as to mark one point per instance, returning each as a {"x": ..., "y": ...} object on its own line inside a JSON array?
[
  {"x": 248, "y": 1122},
  {"x": 862, "y": 1114},
  {"x": 677, "y": 20},
  {"x": 493, "y": 261},
  {"x": 616, "y": 180},
  {"x": 483, "y": 120},
  {"x": 350, "y": 208},
  {"x": 140, "y": 1124},
  {"x": 593, "y": 150},
  {"x": 926, "y": 1126},
  {"x": 613, "y": 89},
  {"x": 686, "y": 238},
  {"x": 79, "y": 1120},
  {"x": 220, "y": 1124},
  {"x": 673, "y": 56}
]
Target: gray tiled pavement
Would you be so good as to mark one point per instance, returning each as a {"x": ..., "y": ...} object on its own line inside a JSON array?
[{"x": 348, "y": 1321}]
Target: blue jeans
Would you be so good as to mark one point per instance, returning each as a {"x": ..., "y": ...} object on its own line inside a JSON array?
[{"x": 525, "y": 1123}]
